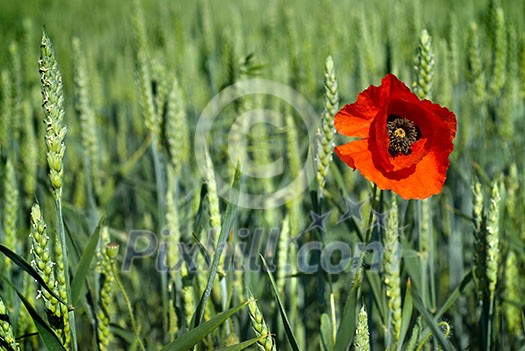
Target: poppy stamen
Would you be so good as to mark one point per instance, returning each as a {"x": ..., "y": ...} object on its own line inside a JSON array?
[{"x": 402, "y": 133}]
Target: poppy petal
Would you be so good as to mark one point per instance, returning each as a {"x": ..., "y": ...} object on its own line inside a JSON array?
[
  {"x": 354, "y": 119},
  {"x": 421, "y": 171},
  {"x": 356, "y": 150},
  {"x": 443, "y": 115},
  {"x": 348, "y": 123},
  {"x": 427, "y": 179},
  {"x": 417, "y": 182}
]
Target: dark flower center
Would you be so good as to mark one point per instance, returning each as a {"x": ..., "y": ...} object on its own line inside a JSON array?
[{"x": 402, "y": 133}]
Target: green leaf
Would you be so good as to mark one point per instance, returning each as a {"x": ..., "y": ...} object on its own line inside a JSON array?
[
  {"x": 407, "y": 315},
  {"x": 458, "y": 291},
  {"x": 198, "y": 224},
  {"x": 287, "y": 327},
  {"x": 242, "y": 345},
  {"x": 376, "y": 286},
  {"x": 418, "y": 304},
  {"x": 523, "y": 319},
  {"x": 346, "y": 331},
  {"x": 412, "y": 265},
  {"x": 48, "y": 336},
  {"x": 227, "y": 224},
  {"x": 83, "y": 266},
  {"x": 20, "y": 262},
  {"x": 326, "y": 333},
  {"x": 193, "y": 336}
]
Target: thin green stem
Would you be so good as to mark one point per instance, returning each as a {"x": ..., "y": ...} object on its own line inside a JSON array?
[
  {"x": 128, "y": 305},
  {"x": 63, "y": 244},
  {"x": 423, "y": 254},
  {"x": 373, "y": 205},
  {"x": 489, "y": 322},
  {"x": 334, "y": 321},
  {"x": 431, "y": 267},
  {"x": 134, "y": 158},
  {"x": 429, "y": 334},
  {"x": 161, "y": 206}
]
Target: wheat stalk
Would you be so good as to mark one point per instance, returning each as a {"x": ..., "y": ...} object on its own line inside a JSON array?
[
  {"x": 392, "y": 270},
  {"x": 326, "y": 133}
]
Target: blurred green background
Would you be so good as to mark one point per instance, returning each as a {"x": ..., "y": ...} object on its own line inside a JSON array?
[{"x": 208, "y": 45}]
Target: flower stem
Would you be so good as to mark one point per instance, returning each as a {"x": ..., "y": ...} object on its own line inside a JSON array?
[{"x": 373, "y": 205}]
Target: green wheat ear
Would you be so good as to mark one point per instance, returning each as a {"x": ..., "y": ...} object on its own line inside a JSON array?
[
  {"x": 177, "y": 132},
  {"x": 392, "y": 270},
  {"x": 513, "y": 289},
  {"x": 213, "y": 197},
  {"x": 326, "y": 133},
  {"x": 500, "y": 53},
  {"x": 6, "y": 114},
  {"x": 143, "y": 74},
  {"x": 29, "y": 150},
  {"x": 476, "y": 72},
  {"x": 453, "y": 50},
  {"x": 105, "y": 304},
  {"x": 188, "y": 298},
  {"x": 412, "y": 343},
  {"x": 362, "y": 335},
  {"x": 15, "y": 69},
  {"x": 7, "y": 337},
  {"x": 84, "y": 109},
  {"x": 172, "y": 218},
  {"x": 259, "y": 326},
  {"x": 444, "y": 80},
  {"x": 493, "y": 235},
  {"x": 55, "y": 132},
  {"x": 292, "y": 151},
  {"x": 283, "y": 255},
  {"x": 44, "y": 265},
  {"x": 11, "y": 202},
  {"x": 424, "y": 67},
  {"x": 479, "y": 222},
  {"x": 53, "y": 106}
]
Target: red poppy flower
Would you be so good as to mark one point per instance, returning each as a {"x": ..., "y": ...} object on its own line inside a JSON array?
[{"x": 405, "y": 142}]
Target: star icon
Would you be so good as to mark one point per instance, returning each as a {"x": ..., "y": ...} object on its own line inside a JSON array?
[
  {"x": 353, "y": 209},
  {"x": 402, "y": 230},
  {"x": 318, "y": 221},
  {"x": 380, "y": 219}
]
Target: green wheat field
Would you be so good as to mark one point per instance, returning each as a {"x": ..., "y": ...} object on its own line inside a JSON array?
[{"x": 168, "y": 182}]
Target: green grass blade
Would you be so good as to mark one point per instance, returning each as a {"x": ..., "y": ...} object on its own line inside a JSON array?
[
  {"x": 49, "y": 338},
  {"x": 192, "y": 337},
  {"x": 286, "y": 322},
  {"x": 326, "y": 333},
  {"x": 44, "y": 330},
  {"x": 523, "y": 319},
  {"x": 83, "y": 266},
  {"x": 198, "y": 224},
  {"x": 407, "y": 315},
  {"x": 20, "y": 262},
  {"x": 429, "y": 319},
  {"x": 229, "y": 217},
  {"x": 412, "y": 265},
  {"x": 242, "y": 345},
  {"x": 374, "y": 280},
  {"x": 458, "y": 291},
  {"x": 346, "y": 331}
]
